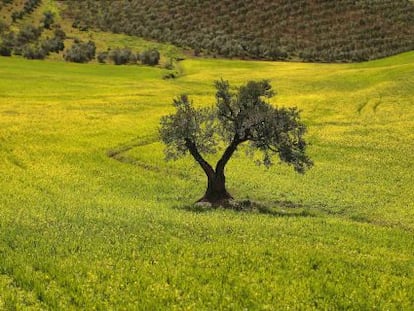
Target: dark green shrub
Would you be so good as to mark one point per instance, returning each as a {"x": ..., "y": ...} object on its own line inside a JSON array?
[
  {"x": 5, "y": 50},
  {"x": 122, "y": 56},
  {"x": 16, "y": 15},
  {"x": 169, "y": 75},
  {"x": 170, "y": 64},
  {"x": 3, "y": 27},
  {"x": 59, "y": 33},
  {"x": 80, "y": 52},
  {"x": 53, "y": 45},
  {"x": 34, "y": 52},
  {"x": 102, "y": 57},
  {"x": 150, "y": 57},
  {"x": 28, "y": 8},
  {"x": 7, "y": 43},
  {"x": 28, "y": 34},
  {"x": 48, "y": 19},
  {"x": 80, "y": 25}
]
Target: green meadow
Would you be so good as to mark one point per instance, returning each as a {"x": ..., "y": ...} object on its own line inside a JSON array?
[{"x": 93, "y": 218}]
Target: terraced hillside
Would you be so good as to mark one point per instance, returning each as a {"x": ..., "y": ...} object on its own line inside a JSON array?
[
  {"x": 23, "y": 32},
  {"x": 324, "y": 30}
]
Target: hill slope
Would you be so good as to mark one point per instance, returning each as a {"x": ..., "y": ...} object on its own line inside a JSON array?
[{"x": 321, "y": 30}]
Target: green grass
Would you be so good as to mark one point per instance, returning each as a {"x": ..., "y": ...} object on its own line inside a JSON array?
[{"x": 80, "y": 230}]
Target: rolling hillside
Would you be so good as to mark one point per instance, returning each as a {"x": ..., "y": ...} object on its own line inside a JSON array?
[
  {"x": 81, "y": 229},
  {"x": 321, "y": 31}
]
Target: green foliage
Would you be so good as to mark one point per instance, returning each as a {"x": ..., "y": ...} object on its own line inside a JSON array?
[
  {"x": 59, "y": 32},
  {"x": 5, "y": 50},
  {"x": 318, "y": 31},
  {"x": 80, "y": 25},
  {"x": 28, "y": 7},
  {"x": 27, "y": 34},
  {"x": 54, "y": 44},
  {"x": 188, "y": 123},
  {"x": 48, "y": 19},
  {"x": 3, "y": 27},
  {"x": 34, "y": 52},
  {"x": 122, "y": 56},
  {"x": 7, "y": 43},
  {"x": 150, "y": 57},
  {"x": 102, "y": 57},
  {"x": 242, "y": 116},
  {"x": 80, "y": 52}
]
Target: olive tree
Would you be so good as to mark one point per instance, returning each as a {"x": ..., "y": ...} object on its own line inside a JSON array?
[{"x": 241, "y": 116}]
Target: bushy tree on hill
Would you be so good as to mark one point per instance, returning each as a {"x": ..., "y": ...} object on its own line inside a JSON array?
[
  {"x": 28, "y": 8},
  {"x": 27, "y": 34},
  {"x": 5, "y": 50},
  {"x": 48, "y": 19},
  {"x": 150, "y": 57},
  {"x": 102, "y": 57},
  {"x": 58, "y": 32},
  {"x": 7, "y": 43},
  {"x": 122, "y": 56},
  {"x": 54, "y": 44},
  {"x": 34, "y": 52},
  {"x": 3, "y": 27},
  {"x": 238, "y": 117},
  {"x": 80, "y": 52}
]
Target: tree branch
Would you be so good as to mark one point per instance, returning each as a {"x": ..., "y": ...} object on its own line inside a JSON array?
[
  {"x": 227, "y": 117},
  {"x": 199, "y": 158},
  {"x": 228, "y": 153}
]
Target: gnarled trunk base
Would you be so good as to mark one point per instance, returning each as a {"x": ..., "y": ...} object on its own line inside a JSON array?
[
  {"x": 216, "y": 192},
  {"x": 216, "y": 198}
]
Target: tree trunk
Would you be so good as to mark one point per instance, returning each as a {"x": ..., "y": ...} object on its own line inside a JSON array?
[{"x": 216, "y": 192}]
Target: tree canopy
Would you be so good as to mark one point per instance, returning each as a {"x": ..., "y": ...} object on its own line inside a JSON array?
[{"x": 241, "y": 116}]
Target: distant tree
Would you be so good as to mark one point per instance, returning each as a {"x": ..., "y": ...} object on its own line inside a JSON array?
[
  {"x": 7, "y": 43},
  {"x": 54, "y": 44},
  {"x": 28, "y": 7},
  {"x": 34, "y": 52},
  {"x": 58, "y": 32},
  {"x": 80, "y": 52},
  {"x": 80, "y": 25},
  {"x": 3, "y": 27},
  {"x": 239, "y": 117},
  {"x": 48, "y": 19},
  {"x": 16, "y": 15},
  {"x": 102, "y": 57},
  {"x": 150, "y": 57},
  {"x": 5, "y": 50},
  {"x": 122, "y": 56},
  {"x": 27, "y": 34}
]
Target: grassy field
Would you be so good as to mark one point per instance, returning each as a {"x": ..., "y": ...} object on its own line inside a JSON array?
[{"x": 80, "y": 230}]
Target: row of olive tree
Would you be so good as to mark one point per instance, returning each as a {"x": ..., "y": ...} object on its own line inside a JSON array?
[
  {"x": 322, "y": 31},
  {"x": 28, "y": 7},
  {"x": 80, "y": 52},
  {"x": 28, "y": 43},
  {"x": 122, "y": 56}
]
